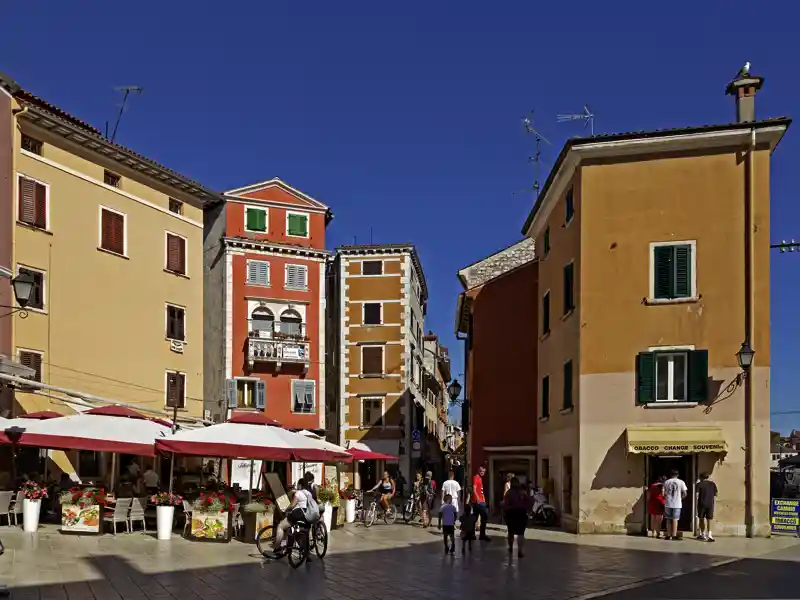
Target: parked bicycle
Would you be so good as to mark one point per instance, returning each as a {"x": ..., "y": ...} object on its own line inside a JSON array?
[
  {"x": 297, "y": 543},
  {"x": 411, "y": 508}
]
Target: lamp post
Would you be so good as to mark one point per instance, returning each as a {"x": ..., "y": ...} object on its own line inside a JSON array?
[
  {"x": 745, "y": 359},
  {"x": 454, "y": 391},
  {"x": 23, "y": 288}
]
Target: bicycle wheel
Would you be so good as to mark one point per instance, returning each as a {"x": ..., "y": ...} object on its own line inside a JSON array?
[
  {"x": 320, "y": 539},
  {"x": 264, "y": 540},
  {"x": 298, "y": 548},
  {"x": 369, "y": 516},
  {"x": 390, "y": 516},
  {"x": 408, "y": 510}
]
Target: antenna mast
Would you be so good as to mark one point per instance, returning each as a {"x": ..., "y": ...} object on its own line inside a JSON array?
[
  {"x": 587, "y": 116},
  {"x": 527, "y": 122},
  {"x": 126, "y": 91}
]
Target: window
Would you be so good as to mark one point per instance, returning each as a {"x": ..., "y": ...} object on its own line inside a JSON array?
[
  {"x": 672, "y": 271},
  {"x": 262, "y": 320},
  {"x": 32, "y": 360},
  {"x": 31, "y": 145},
  {"x": 545, "y": 469},
  {"x": 303, "y": 396},
  {"x": 567, "y": 385},
  {"x": 176, "y": 389},
  {"x": 112, "y": 231},
  {"x": 176, "y": 254},
  {"x": 569, "y": 206},
  {"x": 176, "y": 323},
  {"x": 255, "y": 219},
  {"x": 546, "y": 243},
  {"x": 33, "y": 197},
  {"x": 672, "y": 376},
  {"x": 372, "y": 412},
  {"x": 291, "y": 323},
  {"x": 372, "y": 313},
  {"x": 372, "y": 267},
  {"x": 247, "y": 393},
  {"x": 175, "y": 206},
  {"x": 297, "y": 224},
  {"x": 566, "y": 485},
  {"x": 546, "y": 397},
  {"x": 296, "y": 277},
  {"x": 258, "y": 272},
  {"x": 546, "y": 313},
  {"x": 569, "y": 288},
  {"x": 111, "y": 179},
  {"x": 37, "y": 291},
  {"x": 372, "y": 360}
]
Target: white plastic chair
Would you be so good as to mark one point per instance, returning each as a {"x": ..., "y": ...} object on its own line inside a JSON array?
[
  {"x": 187, "y": 512},
  {"x": 120, "y": 514},
  {"x": 5, "y": 505},
  {"x": 138, "y": 506},
  {"x": 16, "y": 507},
  {"x": 236, "y": 520}
]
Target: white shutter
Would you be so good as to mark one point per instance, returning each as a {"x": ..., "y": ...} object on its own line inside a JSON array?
[
  {"x": 296, "y": 277},
  {"x": 258, "y": 272},
  {"x": 309, "y": 396}
]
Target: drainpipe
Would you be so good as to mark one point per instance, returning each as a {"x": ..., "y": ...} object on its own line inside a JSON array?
[{"x": 748, "y": 325}]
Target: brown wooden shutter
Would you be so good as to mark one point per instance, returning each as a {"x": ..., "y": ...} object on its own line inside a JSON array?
[
  {"x": 372, "y": 357},
  {"x": 176, "y": 254},
  {"x": 175, "y": 386},
  {"x": 32, "y": 360},
  {"x": 113, "y": 232},
  {"x": 27, "y": 202},
  {"x": 40, "y": 206}
]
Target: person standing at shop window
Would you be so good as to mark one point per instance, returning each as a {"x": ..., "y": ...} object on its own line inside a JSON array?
[
  {"x": 675, "y": 491},
  {"x": 706, "y": 498},
  {"x": 479, "y": 501}
]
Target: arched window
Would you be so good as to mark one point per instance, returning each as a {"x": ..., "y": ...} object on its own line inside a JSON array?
[
  {"x": 291, "y": 323},
  {"x": 262, "y": 319}
]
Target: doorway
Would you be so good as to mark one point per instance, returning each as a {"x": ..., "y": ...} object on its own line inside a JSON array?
[{"x": 685, "y": 465}]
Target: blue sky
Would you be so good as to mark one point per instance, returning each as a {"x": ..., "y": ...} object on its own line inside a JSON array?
[{"x": 405, "y": 118}]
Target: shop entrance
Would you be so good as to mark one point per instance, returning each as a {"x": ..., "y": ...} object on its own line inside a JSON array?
[{"x": 685, "y": 465}]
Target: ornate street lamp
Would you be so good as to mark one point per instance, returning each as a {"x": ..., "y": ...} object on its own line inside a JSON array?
[
  {"x": 23, "y": 288},
  {"x": 454, "y": 390},
  {"x": 745, "y": 356}
]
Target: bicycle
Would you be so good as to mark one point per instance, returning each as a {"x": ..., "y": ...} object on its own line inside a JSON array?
[
  {"x": 297, "y": 543},
  {"x": 411, "y": 508},
  {"x": 371, "y": 513}
]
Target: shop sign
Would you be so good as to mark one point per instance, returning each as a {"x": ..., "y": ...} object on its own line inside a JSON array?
[
  {"x": 785, "y": 516},
  {"x": 80, "y": 519},
  {"x": 678, "y": 449},
  {"x": 210, "y": 526}
]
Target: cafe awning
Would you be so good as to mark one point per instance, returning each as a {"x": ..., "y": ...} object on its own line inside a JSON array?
[{"x": 675, "y": 439}]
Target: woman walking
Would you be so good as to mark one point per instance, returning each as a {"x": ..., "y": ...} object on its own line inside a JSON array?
[
  {"x": 516, "y": 504},
  {"x": 655, "y": 505}
]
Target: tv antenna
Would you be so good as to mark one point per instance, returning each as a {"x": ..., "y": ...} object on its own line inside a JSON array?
[
  {"x": 587, "y": 116},
  {"x": 536, "y": 159},
  {"x": 126, "y": 91}
]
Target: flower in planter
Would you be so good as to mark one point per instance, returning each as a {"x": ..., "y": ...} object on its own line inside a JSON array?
[
  {"x": 81, "y": 496},
  {"x": 325, "y": 495},
  {"x": 166, "y": 499},
  {"x": 214, "y": 502},
  {"x": 33, "y": 491}
]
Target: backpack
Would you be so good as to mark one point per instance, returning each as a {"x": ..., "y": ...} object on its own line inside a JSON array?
[{"x": 312, "y": 509}]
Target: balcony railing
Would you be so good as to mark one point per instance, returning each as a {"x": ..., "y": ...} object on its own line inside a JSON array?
[
  {"x": 277, "y": 351},
  {"x": 276, "y": 330}
]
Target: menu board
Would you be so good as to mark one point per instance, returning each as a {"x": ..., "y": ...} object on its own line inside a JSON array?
[
  {"x": 210, "y": 526},
  {"x": 81, "y": 519},
  {"x": 785, "y": 516}
]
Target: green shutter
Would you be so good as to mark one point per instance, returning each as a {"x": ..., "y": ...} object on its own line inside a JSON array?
[
  {"x": 256, "y": 219},
  {"x": 698, "y": 376},
  {"x": 568, "y": 383},
  {"x": 546, "y": 397},
  {"x": 645, "y": 377},
  {"x": 683, "y": 271},
  {"x": 546, "y": 313},
  {"x": 663, "y": 274},
  {"x": 547, "y": 241},
  {"x": 298, "y": 225}
]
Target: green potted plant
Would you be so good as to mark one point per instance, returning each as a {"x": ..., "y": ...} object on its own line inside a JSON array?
[
  {"x": 32, "y": 494},
  {"x": 325, "y": 498},
  {"x": 256, "y": 515},
  {"x": 82, "y": 509},
  {"x": 211, "y": 517}
]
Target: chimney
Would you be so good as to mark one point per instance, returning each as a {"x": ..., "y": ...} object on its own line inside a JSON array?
[{"x": 744, "y": 89}]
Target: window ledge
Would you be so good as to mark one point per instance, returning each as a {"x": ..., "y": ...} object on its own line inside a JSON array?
[
  {"x": 371, "y": 376},
  {"x": 180, "y": 410},
  {"x": 545, "y": 335},
  {"x": 662, "y": 404},
  {"x": 258, "y": 285},
  {"x": 296, "y": 289},
  {"x": 30, "y": 309},
  {"x": 567, "y": 411},
  {"x": 34, "y": 227},
  {"x": 169, "y": 339},
  {"x": 304, "y": 412},
  {"x": 660, "y": 301},
  {"x": 568, "y": 314},
  {"x": 112, "y": 253},
  {"x": 544, "y": 419},
  {"x": 177, "y": 274}
]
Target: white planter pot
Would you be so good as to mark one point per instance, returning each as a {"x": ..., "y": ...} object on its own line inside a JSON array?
[
  {"x": 327, "y": 515},
  {"x": 350, "y": 511},
  {"x": 164, "y": 520},
  {"x": 30, "y": 515}
]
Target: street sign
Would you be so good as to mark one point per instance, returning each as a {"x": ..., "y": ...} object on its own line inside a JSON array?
[
  {"x": 785, "y": 517},
  {"x": 415, "y": 435}
]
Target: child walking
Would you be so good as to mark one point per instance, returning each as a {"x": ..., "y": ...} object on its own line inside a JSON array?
[
  {"x": 468, "y": 521},
  {"x": 449, "y": 514}
]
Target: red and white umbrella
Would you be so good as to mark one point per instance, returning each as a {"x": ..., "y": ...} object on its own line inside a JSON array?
[
  {"x": 250, "y": 435},
  {"x": 360, "y": 451},
  {"x": 102, "y": 429}
]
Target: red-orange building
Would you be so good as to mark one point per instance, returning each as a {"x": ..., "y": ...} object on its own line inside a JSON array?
[
  {"x": 265, "y": 305},
  {"x": 497, "y": 316}
]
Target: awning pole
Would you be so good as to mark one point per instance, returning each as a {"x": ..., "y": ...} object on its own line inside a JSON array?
[
  {"x": 250, "y": 486},
  {"x": 171, "y": 471},
  {"x": 113, "y": 471}
]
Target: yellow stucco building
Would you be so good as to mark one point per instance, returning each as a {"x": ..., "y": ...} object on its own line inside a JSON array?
[{"x": 114, "y": 242}]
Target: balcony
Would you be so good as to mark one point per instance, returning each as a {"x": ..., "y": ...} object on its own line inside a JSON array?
[
  {"x": 280, "y": 330},
  {"x": 283, "y": 343}
]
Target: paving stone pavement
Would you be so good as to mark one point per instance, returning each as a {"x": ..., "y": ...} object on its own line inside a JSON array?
[{"x": 382, "y": 562}]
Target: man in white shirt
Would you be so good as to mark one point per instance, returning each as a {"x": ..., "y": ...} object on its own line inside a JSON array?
[
  {"x": 150, "y": 480},
  {"x": 675, "y": 491},
  {"x": 450, "y": 488}
]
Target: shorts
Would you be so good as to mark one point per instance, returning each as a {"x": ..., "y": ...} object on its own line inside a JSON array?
[
  {"x": 705, "y": 512},
  {"x": 672, "y": 513},
  {"x": 449, "y": 530}
]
